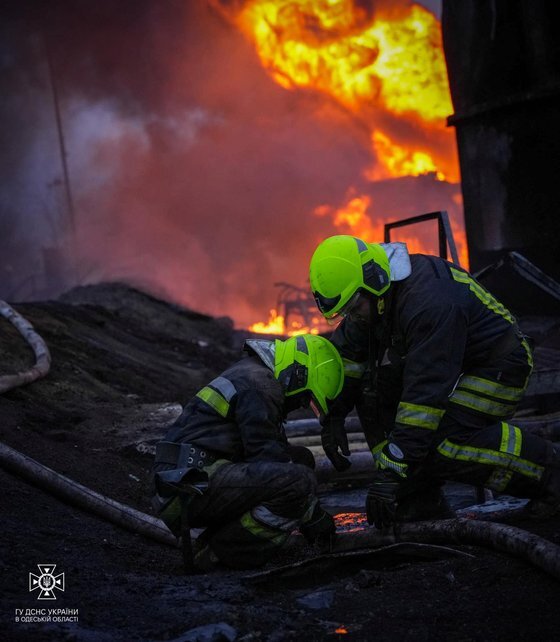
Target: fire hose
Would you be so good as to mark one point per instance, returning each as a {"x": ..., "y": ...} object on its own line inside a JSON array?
[
  {"x": 307, "y": 431},
  {"x": 39, "y": 347},
  {"x": 534, "y": 549},
  {"x": 76, "y": 494}
]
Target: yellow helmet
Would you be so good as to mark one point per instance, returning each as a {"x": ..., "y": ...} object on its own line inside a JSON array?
[
  {"x": 341, "y": 267},
  {"x": 310, "y": 363}
]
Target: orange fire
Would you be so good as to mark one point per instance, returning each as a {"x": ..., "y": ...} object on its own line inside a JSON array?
[
  {"x": 277, "y": 325},
  {"x": 386, "y": 67},
  {"x": 355, "y": 217},
  {"x": 338, "y": 48},
  {"x": 370, "y": 64},
  {"x": 397, "y": 160}
]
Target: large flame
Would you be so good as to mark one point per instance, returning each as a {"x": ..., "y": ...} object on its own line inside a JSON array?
[
  {"x": 334, "y": 46},
  {"x": 398, "y": 160},
  {"x": 368, "y": 63},
  {"x": 385, "y": 67}
]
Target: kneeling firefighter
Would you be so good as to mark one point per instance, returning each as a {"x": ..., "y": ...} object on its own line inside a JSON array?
[
  {"x": 225, "y": 464},
  {"x": 450, "y": 367}
]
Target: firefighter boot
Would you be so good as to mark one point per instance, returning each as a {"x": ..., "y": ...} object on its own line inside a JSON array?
[
  {"x": 428, "y": 503},
  {"x": 205, "y": 560},
  {"x": 548, "y": 503}
]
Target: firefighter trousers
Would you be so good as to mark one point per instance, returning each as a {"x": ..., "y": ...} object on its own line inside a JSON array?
[
  {"x": 477, "y": 443},
  {"x": 250, "y": 509}
]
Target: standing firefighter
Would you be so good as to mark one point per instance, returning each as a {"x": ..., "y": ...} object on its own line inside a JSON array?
[
  {"x": 225, "y": 464},
  {"x": 449, "y": 366}
]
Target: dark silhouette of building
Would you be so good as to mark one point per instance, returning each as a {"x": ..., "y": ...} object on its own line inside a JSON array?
[{"x": 503, "y": 60}]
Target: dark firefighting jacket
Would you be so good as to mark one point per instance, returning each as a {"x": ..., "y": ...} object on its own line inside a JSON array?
[
  {"x": 439, "y": 323},
  {"x": 238, "y": 416}
]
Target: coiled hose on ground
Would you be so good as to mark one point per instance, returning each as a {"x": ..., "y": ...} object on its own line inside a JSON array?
[{"x": 39, "y": 347}]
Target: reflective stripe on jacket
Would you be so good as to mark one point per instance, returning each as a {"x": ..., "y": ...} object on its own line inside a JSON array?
[
  {"x": 237, "y": 416},
  {"x": 440, "y": 323}
]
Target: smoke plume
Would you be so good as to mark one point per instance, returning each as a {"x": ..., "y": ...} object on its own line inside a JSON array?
[{"x": 191, "y": 172}]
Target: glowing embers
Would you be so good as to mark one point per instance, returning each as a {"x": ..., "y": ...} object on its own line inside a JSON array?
[{"x": 350, "y": 522}]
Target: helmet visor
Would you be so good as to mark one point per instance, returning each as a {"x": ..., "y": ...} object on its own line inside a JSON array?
[
  {"x": 298, "y": 379},
  {"x": 353, "y": 303},
  {"x": 326, "y": 304}
]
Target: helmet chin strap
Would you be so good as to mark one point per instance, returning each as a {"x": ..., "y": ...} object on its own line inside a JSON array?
[
  {"x": 293, "y": 402},
  {"x": 374, "y": 312},
  {"x": 379, "y": 306},
  {"x": 372, "y": 346}
]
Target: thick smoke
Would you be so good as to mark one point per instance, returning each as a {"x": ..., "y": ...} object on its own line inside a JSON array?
[{"x": 192, "y": 173}]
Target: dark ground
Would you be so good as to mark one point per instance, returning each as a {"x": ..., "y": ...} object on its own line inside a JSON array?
[{"x": 120, "y": 358}]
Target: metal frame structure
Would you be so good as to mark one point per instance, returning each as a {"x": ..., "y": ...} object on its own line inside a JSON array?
[
  {"x": 445, "y": 235},
  {"x": 297, "y": 301}
]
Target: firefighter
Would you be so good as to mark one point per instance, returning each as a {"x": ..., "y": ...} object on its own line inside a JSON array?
[
  {"x": 228, "y": 454},
  {"x": 448, "y": 366}
]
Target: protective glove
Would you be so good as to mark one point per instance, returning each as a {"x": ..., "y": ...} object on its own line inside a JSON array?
[
  {"x": 333, "y": 437},
  {"x": 381, "y": 499},
  {"x": 320, "y": 529}
]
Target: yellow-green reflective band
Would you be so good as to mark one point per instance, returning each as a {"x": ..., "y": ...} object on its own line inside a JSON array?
[
  {"x": 490, "y": 388},
  {"x": 353, "y": 368},
  {"x": 172, "y": 512},
  {"x": 529, "y": 352},
  {"x": 210, "y": 470},
  {"x": 481, "y": 404},
  {"x": 511, "y": 439},
  {"x": 214, "y": 399},
  {"x": 419, "y": 416},
  {"x": 499, "y": 479},
  {"x": 260, "y": 530},
  {"x": 483, "y": 295},
  {"x": 378, "y": 448},
  {"x": 491, "y": 458},
  {"x": 383, "y": 462}
]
